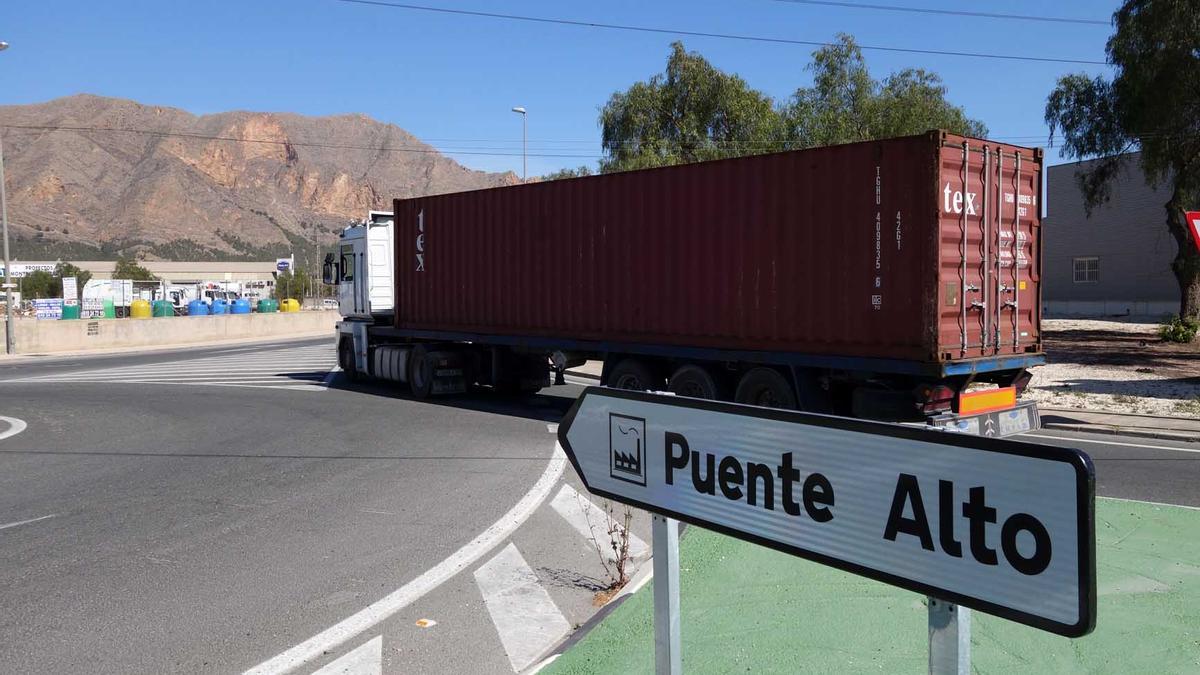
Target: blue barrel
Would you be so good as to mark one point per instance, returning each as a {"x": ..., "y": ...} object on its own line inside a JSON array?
[
  {"x": 240, "y": 306},
  {"x": 220, "y": 306},
  {"x": 197, "y": 308}
]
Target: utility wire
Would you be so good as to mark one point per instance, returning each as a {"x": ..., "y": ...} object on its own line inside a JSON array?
[
  {"x": 948, "y": 12},
  {"x": 724, "y": 36}
]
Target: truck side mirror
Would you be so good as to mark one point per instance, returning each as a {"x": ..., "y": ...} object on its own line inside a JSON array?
[{"x": 329, "y": 272}]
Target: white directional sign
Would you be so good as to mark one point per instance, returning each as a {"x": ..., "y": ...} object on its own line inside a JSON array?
[{"x": 1001, "y": 526}]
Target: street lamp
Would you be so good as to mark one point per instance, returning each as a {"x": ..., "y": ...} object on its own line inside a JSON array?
[
  {"x": 8, "y": 317},
  {"x": 524, "y": 141}
]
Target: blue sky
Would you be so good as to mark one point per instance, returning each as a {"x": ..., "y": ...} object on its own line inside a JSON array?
[{"x": 452, "y": 80}]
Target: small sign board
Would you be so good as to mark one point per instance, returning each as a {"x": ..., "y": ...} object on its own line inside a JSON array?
[
  {"x": 283, "y": 264},
  {"x": 1193, "y": 223},
  {"x": 48, "y": 308},
  {"x": 70, "y": 291},
  {"x": 1002, "y": 526},
  {"x": 93, "y": 308}
]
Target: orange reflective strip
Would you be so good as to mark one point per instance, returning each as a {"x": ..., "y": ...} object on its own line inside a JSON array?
[{"x": 988, "y": 400}]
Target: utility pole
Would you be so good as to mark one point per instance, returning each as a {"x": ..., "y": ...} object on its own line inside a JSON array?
[{"x": 9, "y": 342}]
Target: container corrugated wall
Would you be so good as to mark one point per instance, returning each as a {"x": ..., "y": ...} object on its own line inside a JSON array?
[{"x": 824, "y": 251}]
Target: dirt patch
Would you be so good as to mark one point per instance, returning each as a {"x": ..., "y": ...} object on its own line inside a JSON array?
[{"x": 1118, "y": 367}]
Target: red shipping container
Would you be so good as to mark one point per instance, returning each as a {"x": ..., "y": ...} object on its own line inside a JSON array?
[{"x": 899, "y": 249}]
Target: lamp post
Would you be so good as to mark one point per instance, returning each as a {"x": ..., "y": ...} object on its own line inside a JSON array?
[
  {"x": 524, "y": 141},
  {"x": 8, "y": 317}
]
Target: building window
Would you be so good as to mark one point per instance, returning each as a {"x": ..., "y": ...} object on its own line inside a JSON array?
[{"x": 1087, "y": 270}]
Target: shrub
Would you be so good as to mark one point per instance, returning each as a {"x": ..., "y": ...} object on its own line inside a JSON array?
[{"x": 1179, "y": 329}]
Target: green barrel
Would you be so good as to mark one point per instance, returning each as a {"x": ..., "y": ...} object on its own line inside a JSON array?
[
  {"x": 110, "y": 309},
  {"x": 163, "y": 308},
  {"x": 70, "y": 312},
  {"x": 268, "y": 306}
]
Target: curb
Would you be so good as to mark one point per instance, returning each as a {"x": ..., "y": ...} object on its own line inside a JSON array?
[{"x": 1116, "y": 430}]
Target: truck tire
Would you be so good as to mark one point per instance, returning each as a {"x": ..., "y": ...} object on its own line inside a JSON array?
[
  {"x": 765, "y": 387},
  {"x": 695, "y": 382},
  {"x": 346, "y": 359},
  {"x": 420, "y": 372},
  {"x": 635, "y": 375}
]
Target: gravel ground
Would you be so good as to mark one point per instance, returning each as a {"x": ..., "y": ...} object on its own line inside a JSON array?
[{"x": 1116, "y": 366}]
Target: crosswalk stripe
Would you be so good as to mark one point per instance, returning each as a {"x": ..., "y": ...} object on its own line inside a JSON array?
[
  {"x": 528, "y": 621},
  {"x": 592, "y": 522}
]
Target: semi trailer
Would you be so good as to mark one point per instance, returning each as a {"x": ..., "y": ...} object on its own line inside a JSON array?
[{"x": 894, "y": 279}]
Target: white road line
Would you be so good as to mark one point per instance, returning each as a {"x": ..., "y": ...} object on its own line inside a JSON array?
[
  {"x": 591, "y": 521},
  {"x": 1142, "y": 501},
  {"x": 431, "y": 579},
  {"x": 15, "y": 426},
  {"x": 525, "y": 615},
  {"x": 366, "y": 659},
  {"x": 1072, "y": 439},
  {"x": 26, "y": 522}
]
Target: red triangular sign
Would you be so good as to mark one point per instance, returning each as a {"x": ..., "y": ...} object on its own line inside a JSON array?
[{"x": 1193, "y": 221}]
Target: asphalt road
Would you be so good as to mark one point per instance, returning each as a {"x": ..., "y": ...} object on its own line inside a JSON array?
[{"x": 196, "y": 511}]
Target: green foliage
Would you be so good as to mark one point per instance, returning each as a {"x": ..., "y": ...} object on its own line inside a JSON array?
[
  {"x": 1179, "y": 329},
  {"x": 127, "y": 268},
  {"x": 1151, "y": 103},
  {"x": 293, "y": 285},
  {"x": 568, "y": 173},
  {"x": 39, "y": 284},
  {"x": 693, "y": 112},
  {"x": 690, "y": 112}
]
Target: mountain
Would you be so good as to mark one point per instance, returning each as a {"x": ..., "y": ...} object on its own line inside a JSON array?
[{"x": 118, "y": 177}]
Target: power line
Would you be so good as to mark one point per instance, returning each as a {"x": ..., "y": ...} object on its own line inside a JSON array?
[
  {"x": 948, "y": 12},
  {"x": 268, "y": 141},
  {"x": 723, "y": 36}
]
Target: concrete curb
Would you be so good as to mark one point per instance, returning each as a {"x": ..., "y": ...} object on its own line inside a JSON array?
[
  {"x": 46, "y": 357},
  {"x": 1116, "y": 430}
]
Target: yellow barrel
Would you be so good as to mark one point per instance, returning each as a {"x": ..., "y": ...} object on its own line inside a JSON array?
[
  {"x": 289, "y": 305},
  {"x": 140, "y": 309}
]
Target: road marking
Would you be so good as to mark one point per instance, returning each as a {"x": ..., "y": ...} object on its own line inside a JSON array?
[
  {"x": 26, "y": 522},
  {"x": 15, "y": 426},
  {"x": 524, "y": 614},
  {"x": 591, "y": 521},
  {"x": 1071, "y": 439},
  {"x": 402, "y": 597},
  {"x": 366, "y": 659},
  {"x": 1142, "y": 501}
]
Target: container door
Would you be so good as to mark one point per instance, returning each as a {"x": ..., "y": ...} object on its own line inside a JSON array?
[{"x": 988, "y": 203}]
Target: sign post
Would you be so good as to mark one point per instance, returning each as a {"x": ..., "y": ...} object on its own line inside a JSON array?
[
  {"x": 1000, "y": 526},
  {"x": 667, "y": 654}
]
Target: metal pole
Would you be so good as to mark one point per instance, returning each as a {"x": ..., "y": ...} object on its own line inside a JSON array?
[
  {"x": 949, "y": 638},
  {"x": 524, "y": 147},
  {"x": 667, "y": 659},
  {"x": 9, "y": 347}
]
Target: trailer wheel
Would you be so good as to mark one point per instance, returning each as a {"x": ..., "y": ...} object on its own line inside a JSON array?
[
  {"x": 420, "y": 372},
  {"x": 695, "y": 382},
  {"x": 767, "y": 388},
  {"x": 346, "y": 359},
  {"x": 635, "y": 375}
]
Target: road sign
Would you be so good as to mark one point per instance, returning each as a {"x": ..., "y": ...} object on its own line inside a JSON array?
[
  {"x": 1193, "y": 221},
  {"x": 1002, "y": 526},
  {"x": 283, "y": 264}
]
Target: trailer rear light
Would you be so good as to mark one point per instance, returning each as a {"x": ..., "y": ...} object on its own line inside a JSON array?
[
  {"x": 933, "y": 399},
  {"x": 987, "y": 400}
]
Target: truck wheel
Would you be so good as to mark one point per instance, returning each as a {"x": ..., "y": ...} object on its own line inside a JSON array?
[
  {"x": 346, "y": 359},
  {"x": 767, "y": 388},
  {"x": 635, "y": 375},
  {"x": 420, "y": 372},
  {"x": 695, "y": 382}
]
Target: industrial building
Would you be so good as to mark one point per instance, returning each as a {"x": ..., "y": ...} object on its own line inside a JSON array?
[{"x": 1115, "y": 262}]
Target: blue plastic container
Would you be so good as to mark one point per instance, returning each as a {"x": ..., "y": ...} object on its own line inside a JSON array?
[
  {"x": 219, "y": 306},
  {"x": 240, "y": 306},
  {"x": 197, "y": 308}
]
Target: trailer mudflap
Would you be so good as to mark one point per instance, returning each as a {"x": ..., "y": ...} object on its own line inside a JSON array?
[{"x": 999, "y": 423}]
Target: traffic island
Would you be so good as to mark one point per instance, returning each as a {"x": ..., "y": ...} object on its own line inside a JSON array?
[{"x": 746, "y": 608}]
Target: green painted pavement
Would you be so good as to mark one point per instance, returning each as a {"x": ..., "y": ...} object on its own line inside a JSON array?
[{"x": 750, "y": 609}]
